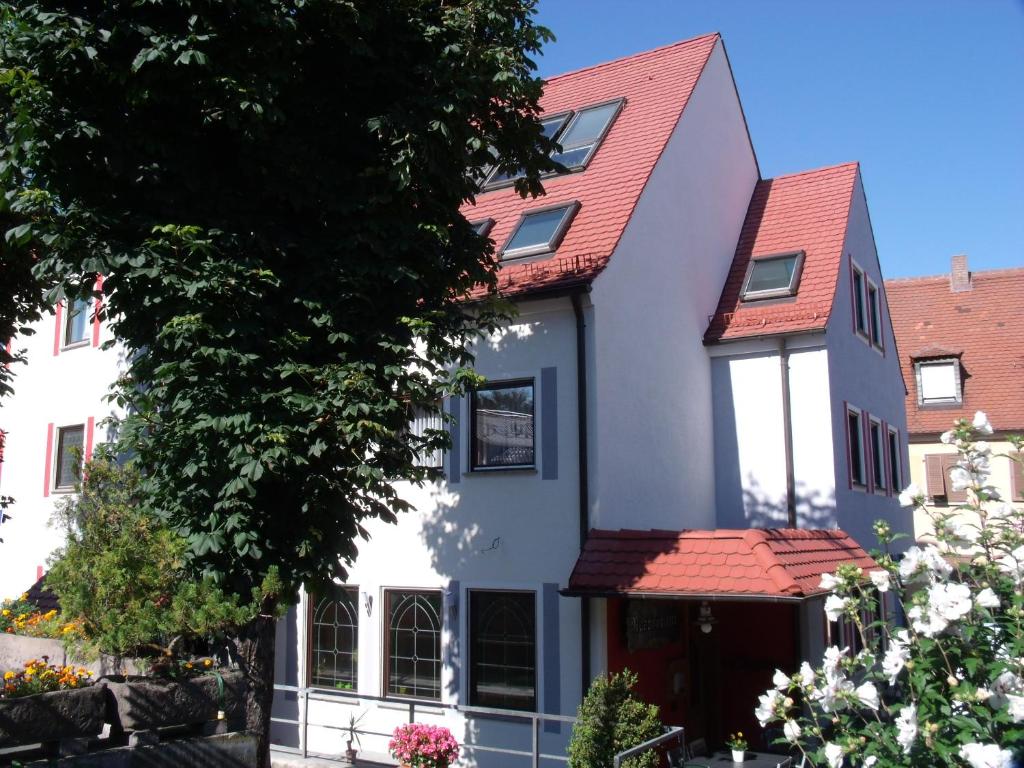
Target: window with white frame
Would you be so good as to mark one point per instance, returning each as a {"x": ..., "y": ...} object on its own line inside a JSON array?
[
  {"x": 855, "y": 447},
  {"x": 427, "y": 422},
  {"x": 68, "y": 464},
  {"x": 860, "y": 316},
  {"x": 502, "y": 425},
  {"x": 876, "y": 444},
  {"x": 76, "y": 324},
  {"x": 413, "y": 643},
  {"x": 539, "y": 231},
  {"x": 503, "y": 650},
  {"x": 334, "y": 639},
  {"x": 895, "y": 463},
  {"x": 770, "y": 277},
  {"x": 938, "y": 382},
  {"x": 874, "y": 315}
]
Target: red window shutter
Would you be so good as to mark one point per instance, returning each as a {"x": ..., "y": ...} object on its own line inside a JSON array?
[
  {"x": 934, "y": 477},
  {"x": 949, "y": 461},
  {"x": 1017, "y": 476},
  {"x": 58, "y": 332},
  {"x": 48, "y": 462}
]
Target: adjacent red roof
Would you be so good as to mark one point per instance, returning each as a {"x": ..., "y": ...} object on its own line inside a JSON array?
[
  {"x": 656, "y": 85},
  {"x": 802, "y": 212},
  {"x": 782, "y": 563},
  {"x": 982, "y": 326}
]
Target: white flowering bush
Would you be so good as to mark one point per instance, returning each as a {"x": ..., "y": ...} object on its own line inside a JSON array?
[{"x": 945, "y": 685}]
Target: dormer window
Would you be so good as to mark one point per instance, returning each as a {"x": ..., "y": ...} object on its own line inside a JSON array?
[
  {"x": 539, "y": 231},
  {"x": 770, "y": 277},
  {"x": 938, "y": 382},
  {"x": 584, "y": 133}
]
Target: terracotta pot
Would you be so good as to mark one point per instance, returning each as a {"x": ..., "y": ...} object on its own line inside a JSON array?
[{"x": 78, "y": 713}]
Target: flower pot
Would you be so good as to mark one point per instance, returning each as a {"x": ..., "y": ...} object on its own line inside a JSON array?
[
  {"x": 737, "y": 755},
  {"x": 144, "y": 703},
  {"x": 78, "y": 713}
]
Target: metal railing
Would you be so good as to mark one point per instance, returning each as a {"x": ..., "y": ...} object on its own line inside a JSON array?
[
  {"x": 325, "y": 694},
  {"x": 670, "y": 734}
]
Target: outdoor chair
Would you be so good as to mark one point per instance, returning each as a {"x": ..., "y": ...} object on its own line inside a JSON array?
[{"x": 697, "y": 748}]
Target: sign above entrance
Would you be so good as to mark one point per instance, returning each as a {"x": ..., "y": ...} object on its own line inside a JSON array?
[{"x": 651, "y": 623}]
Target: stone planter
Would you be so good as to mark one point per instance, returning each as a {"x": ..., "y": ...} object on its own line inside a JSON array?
[
  {"x": 43, "y": 717},
  {"x": 145, "y": 703}
]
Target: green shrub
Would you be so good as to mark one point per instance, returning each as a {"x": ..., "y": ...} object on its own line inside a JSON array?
[
  {"x": 612, "y": 719},
  {"x": 125, "y": 574}
]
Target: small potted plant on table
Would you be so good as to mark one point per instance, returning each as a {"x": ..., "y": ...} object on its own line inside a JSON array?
[
  {"x": 416, "y": 745},
  {"x": 738, "y": 745}
]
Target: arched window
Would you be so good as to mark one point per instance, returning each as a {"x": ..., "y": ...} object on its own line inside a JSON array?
[
  {"x": 334, "y": 640},
  {"x": 503, "y": 655},
  {"x": 414, "y": 644}
]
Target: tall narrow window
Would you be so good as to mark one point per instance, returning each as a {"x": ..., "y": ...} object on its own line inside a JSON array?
[
  {"x": 334, "y": 640},
  {"x": 76, "y": 326},
  {"x": 424, "y": 422},
  {"x": 413, "y": 655},
  {"x": 502, "y": 421},
  {"x": 877, "y": 446},
  {"x": 855, "y": 444},
  {"x": 70, "y": 444},
  {"x": 895, "y": 465},
  {"x": 503, "y": 655},
  {"x": 874, "y": 310},
  {"x": 859, "y": 310}
]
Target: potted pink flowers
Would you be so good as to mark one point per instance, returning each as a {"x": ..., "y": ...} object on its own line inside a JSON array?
[{"x": 416, "y": 745}]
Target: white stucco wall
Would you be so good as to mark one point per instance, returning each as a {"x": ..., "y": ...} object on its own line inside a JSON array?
[
  {"x": 865, "y": 378},
  {"x": 750, "y": 459},
  {"x": 650, "y": 379},
  {"x": 64, "y": 389}
]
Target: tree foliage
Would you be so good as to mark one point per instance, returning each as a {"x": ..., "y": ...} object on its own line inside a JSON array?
[
  {"x": 272, "y": 190},
  {"x": 611, "y": 719}
]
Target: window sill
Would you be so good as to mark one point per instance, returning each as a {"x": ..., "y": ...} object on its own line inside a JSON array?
[
  {"x": 859, "y": 487},
  {"x": 61, "y": 491},
  {"x": 75, "y": 345},
  {"x": 424, "y": 705},
  {"x": 526, "y": 470}
]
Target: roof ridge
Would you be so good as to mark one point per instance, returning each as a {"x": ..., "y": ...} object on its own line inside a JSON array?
[
  {"x": 632, "y": 56},
  {"x": 757, "y": 540},
  {"x": 982, "y": 273},
  {"x": 822, "y": 169}
]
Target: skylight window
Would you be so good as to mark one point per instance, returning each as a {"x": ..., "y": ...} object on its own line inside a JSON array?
[
  {"x": 549, "y": 126},
  {"x": 539, "y": 231},
  {"x": 773, "y": 276},
  {"x": 584, "y": 133}
]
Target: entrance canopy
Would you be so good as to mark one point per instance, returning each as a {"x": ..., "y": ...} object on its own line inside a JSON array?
[{"x": 779, "y": 564}]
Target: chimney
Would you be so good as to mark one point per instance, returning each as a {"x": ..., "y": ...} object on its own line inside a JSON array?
[{"x": 959, "y": 274}]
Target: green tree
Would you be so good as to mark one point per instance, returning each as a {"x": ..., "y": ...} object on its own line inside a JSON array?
[
  {"x": 272, "y": 190},
  {"x": 611, "y": 719}
]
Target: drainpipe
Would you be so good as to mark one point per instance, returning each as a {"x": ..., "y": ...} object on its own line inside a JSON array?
[
  {"x": 787, "y": 432},
  {"x": 584, "y": 490}
]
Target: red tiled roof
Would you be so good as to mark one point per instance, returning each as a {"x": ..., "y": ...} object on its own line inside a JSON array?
[
  {"x": 982, "y": 325},
  {"x": 656, "y": 85},
  {"x": 751, "y": 563},
  {"x": 801, "y": 212}
]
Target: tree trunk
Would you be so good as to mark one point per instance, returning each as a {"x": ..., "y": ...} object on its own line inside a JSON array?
[{"x": 255, "y": 646}]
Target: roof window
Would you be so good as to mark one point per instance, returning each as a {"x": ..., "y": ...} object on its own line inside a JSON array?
[
  {"x": 549, "y": 126},
  {"x": 770, "y": 277},
  {"x": 938, "y": 382},
  {"x": 539, "y": 231}
]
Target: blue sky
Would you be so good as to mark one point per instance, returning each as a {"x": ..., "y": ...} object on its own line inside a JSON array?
[{"x": 928, "y": 96}]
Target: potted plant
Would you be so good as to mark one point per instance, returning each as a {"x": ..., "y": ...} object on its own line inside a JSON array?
[
  {"x": 43, "y": 702},
  {"x": 353, "y": 736},
  {"x": 738, "y": 745},
  {"x": 415, "y": 745}
]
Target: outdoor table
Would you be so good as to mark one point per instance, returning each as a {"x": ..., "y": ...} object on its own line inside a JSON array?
[{"x": 750, "y": 760}]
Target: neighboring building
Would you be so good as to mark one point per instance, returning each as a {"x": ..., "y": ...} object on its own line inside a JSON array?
[
  {"x": 698, "y": 352},
  {"x": 961, "y": 350}
]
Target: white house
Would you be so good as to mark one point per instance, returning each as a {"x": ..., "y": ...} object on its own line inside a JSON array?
[{"x": 695, "y": 413}]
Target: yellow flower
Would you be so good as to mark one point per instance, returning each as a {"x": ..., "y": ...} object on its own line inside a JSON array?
[
  {"x": 7, "y": 612},
  {"x": 188, "y": 665},
  {"x": 24, "y": 596},
  {"x": 8, "y": 675},
  {"x": 207, "y": 662}
]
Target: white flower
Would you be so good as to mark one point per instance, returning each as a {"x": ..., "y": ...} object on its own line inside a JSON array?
[
  {"x": 765, "y": 710},
  {"x": 780, "y": 681},
  {"x": 981, "y": 423},
  {"x": 868, "y": 695},
  {"x": 960, "y": 478},
  {"x": 983, "y": 448},
  {"x": 1004, "y": 686},
  {"x": 830, "y": 665},
  {"x": 1016, "y": 707},
  {"x": 828, "y": 582},
  {"x": 987, "y": 598},
  {"x": 806, "y": 674},
  {"x": 834, "y": 755},
  {"x": 834, "y": 696},
  {"x": 834, "y": 607},
  {"x": 869, "y": 761},
  {"x": 927, "y": 562},
  {"x": 1013, "y": 565},
  {"x": 946, "y": 603},
  {"x": 906, "y": 725},
  {"x": 911, "y": 495},
  {"x": 791, "y": 730},
  {"x": 881, "y": 580},
  {"x": 986, "y": 756},
  {"x": 966, "y": 532},
  {"x": 948, "y": 437},
  {"x": 897, "y": 655}
]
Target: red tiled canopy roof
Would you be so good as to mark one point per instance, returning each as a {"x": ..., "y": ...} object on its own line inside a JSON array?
[
  {"x": 805, "y": 212},
  {"x": 656, "y": 85},
  {"x": 780, "y": 563},
  {"x": 982, "y": 326}
]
